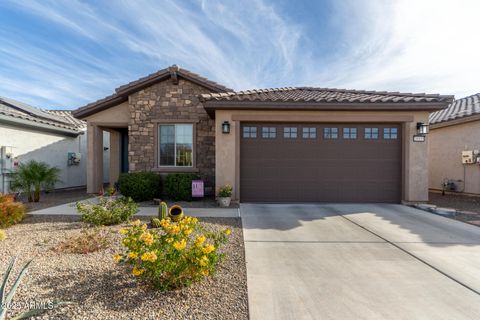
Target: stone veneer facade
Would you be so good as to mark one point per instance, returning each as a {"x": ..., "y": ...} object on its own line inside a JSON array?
[{"x": 169, "y": 101}]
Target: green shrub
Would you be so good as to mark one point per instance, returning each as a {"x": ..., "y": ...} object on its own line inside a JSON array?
[
  {"x": 178, "y": 186},
  {"x": 108, "y": 211},
  {"x": 11, "y": 212},
  {"x": 173, "y": 256},
  {"x": 140, "y": 186}
]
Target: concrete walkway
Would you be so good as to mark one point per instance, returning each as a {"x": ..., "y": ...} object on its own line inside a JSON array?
[
  {"x": 359, "y": 262},
  {"x": 69, "y": 210}
]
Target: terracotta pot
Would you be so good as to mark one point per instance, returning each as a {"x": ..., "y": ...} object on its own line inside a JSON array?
[
  {"x": 224, "y": 201},
  {"x": 176, "y": 213}
]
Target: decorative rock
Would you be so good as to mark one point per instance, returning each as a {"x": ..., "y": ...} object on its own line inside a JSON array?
[
  {"x": 425, "y": 206},
  {"x": 449, "y": 212}
]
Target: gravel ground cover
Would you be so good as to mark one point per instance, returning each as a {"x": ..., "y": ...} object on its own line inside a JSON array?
[
  {"x": 55, "y": 198},
  {"x": 469, "y": 205},
  {"x": 100, "y": 289},
  {"x": 206, "y": 202}
]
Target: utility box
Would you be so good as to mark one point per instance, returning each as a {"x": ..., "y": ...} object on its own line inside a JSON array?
[
  {"x": 74, "y": 158},
  {"x": 468, "y": 157},
  {"x": 6, "y": 159}
]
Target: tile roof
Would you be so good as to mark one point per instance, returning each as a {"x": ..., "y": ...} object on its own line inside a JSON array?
[
  {"x": 122, "y": 92},
  {"x": 55, "y": 118},
  {"x": 324, "y": 95},
  {"x": 68, "y": 117},
  {"x": 461, "y": 108},
  {"x": 172, "y": 70}
]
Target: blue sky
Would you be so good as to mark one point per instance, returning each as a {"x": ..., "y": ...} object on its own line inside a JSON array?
[{"x": 64, "y": 54}]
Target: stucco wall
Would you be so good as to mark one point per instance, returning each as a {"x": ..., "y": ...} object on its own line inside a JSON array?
[
  {"x": 118, "y": 114},
  {"x": 31, "y": 144},
  {"x": 114, "y": 117},
  {"x": 415, "y": 184},
  {"x": 445, "y": 148}
]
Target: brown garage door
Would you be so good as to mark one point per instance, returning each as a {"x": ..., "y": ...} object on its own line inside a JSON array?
[{"x": 296, "y": 162}]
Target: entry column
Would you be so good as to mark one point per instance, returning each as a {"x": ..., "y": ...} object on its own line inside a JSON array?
[{"x": 94, "y": 158}]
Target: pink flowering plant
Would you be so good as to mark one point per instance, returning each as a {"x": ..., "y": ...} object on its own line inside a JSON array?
[{"x": 174, "y": 255}]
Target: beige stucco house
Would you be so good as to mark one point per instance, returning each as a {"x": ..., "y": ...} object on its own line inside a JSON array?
[
  {"x": 454, "y": 140},
  {"x": 51, "y": 136},
  {"x": 273, "y": 145}
]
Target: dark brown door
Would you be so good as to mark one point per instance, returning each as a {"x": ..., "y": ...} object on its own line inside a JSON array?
[{"x": 301, "y": 162}]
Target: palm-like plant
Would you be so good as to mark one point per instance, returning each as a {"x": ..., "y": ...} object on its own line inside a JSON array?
[{"x": 33, "y": 176}]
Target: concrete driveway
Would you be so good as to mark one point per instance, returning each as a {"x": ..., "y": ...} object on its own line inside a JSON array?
[{"x": 341, "y": 261}]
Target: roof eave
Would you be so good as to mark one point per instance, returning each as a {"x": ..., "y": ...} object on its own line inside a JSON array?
[
  {"x": 83, "y": 112},
  {"x": 456, "y": 121},
  {"x": 164, "y": 76},
  {"x": 128, "y": 89},
  {"x": 122, "y": 93},
  {"x": 40, "y": 126},
  {"x": 212, "y": 105}
]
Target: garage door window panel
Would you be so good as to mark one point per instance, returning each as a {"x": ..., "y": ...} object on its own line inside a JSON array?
[
  {"x": 250, "y": 132},
  {"x": 309, "y": 133},
  {"x": 349, "y": 133},
  {"x": 290, "y": 132},
  {"x": 269, "y": 132},
  {"x": 371, "y": 133},
  {"x": 390, "y": 133},
  {"x": 330, "y": 133}
]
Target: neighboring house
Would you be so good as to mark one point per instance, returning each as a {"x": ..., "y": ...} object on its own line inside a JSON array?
[
  {"x": 272, "y": 145},
  {"x": 28, "y": 133},
  {"x": 452, "y": 131}
]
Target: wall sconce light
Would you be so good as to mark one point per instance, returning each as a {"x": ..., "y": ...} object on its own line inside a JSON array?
[
  {"x": 226, "y": 127},
  {"x": 422, "y": 128}
]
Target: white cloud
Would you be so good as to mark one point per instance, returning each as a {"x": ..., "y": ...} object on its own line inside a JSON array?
[
  {"x": 402, "y": 45},
  {"x": 240, "y": 44},
  {"x": 426, "y": 46}
]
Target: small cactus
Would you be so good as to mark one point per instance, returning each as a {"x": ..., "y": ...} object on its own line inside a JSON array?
[
  {"x": 162, "y": 211},
  {"x": 155, "y": 222}
]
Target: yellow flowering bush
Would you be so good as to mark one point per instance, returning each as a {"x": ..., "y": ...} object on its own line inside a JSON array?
[{"x": 173, "y": 255}]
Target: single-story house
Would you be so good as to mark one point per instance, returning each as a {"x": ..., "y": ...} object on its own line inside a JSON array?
[
  {"x": 454, "y": 156},
  {"x": 272, "y": 145},
  {"x": 51, "y": 136}
]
